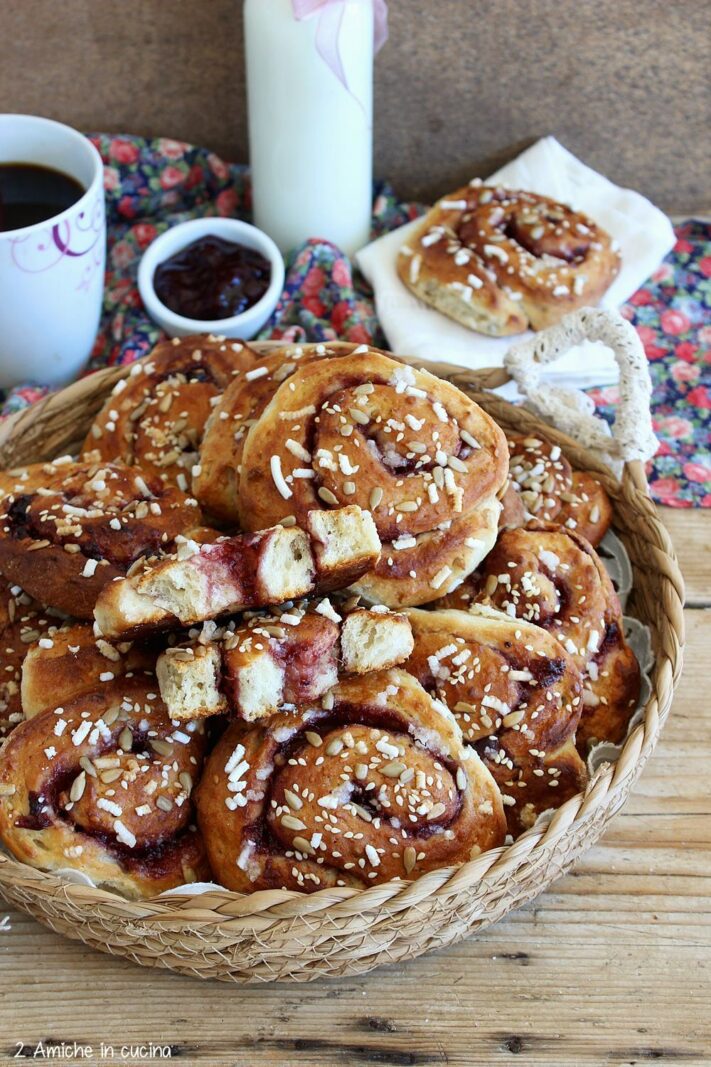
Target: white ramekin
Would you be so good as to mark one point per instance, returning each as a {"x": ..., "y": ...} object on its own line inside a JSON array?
[{"x": 245, "y": 325}]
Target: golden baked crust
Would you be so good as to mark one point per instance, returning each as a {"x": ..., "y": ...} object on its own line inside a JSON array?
[
  {"x": 216, "y": 478},
  {"x": 551, "y": 491},
  {"x": 586, "y": 508},
  {"x": 76, "y": 526},
  {"x": 63, "y": 801},
  {"x": 414, "y": 450},
  {"x": 516, "y": 694},
  {"x": 69, "y": 659},
  {"x": 500, "y": 261},
  {"x": 274, "y": 795},
  {"x": 551, "y": 576},
  {"x": 156, "y": 416},
  {"x": 22, "y": 622}
]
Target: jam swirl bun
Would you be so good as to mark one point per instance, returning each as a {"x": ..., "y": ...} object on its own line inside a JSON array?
[
  {"x": 69, "y": 660},
  {"x": 216, "y": 478},
  {"x": 548, "y": 489},
  {"x": 516, "y": 694},
  {"x": 156, "y": 416},
  {"x": 414, "y": 450},
  {"x": 377, "y": 785},
  {"x": 551, "y": 576},
  {"x": 104, "y": 785},
  {"x": 500, "y": 261},
  {"x": 22, "y": 623},
  {"x": 67, "y": 529}
]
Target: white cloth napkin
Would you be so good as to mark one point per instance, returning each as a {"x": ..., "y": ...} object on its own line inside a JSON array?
[{"x": 644, "y": 234}]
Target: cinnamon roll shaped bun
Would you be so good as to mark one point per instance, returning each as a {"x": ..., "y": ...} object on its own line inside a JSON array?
[
  {"x": 291, "y": 656},
  {"x": 548, "y": 489},
  {"x": 76, "y": 526},
  {"x": 69, "y": 659},
  {"x": 586, "y": 508},
  {"x": 22, "y": 623},
  {"x": 378, "y": 785},
  {"x": 216, "y": 478},
  {"x": 553, "y": 577},
  {"x": 500, "y": 261},
  {"x": 155, "y": 418},
  {"x": 516, "y": 694},
  {"x": 103, "y": 784},
  {"x": 414, "y": 450}
]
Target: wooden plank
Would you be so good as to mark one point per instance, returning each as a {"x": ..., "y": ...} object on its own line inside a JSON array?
[
  {"x": 610, "y": 966},
  {"x": 690, "y": 532}
]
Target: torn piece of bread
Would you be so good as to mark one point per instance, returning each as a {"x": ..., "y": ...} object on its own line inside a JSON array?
[
  {"x": 252, "y": 669},
  {"x": 274, "y": 660},
  {"x": 238, "y": 573},
  {"x": 345, "y": 545},
  {"x": 374, "y": 640},
  {"x": 294, "y": 664},
  {"x": 189, "y": 679}
]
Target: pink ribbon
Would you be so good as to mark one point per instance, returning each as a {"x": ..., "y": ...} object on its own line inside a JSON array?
[{"x": 330, "y": 17}]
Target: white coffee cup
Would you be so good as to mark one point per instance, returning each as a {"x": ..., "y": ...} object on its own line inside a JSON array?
[{"x": 52, "y": 273}]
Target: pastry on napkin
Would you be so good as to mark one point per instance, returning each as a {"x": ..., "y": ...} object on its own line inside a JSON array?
[{"x": 642, "y": 231}]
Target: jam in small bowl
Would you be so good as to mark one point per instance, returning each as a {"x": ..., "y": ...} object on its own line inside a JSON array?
[{"x": 211, "y": 276}]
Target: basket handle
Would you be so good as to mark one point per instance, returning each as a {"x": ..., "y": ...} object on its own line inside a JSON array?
[{"x": 569, "y": 410}]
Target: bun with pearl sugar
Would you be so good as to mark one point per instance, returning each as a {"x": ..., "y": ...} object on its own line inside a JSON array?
[
  {"x": 415, "y": 451},
  {"x": 372, "y": 784},
  {"x": 216, "y": 477},
  {"x": 103, "y": 785},
  {"x": 156, "y": 416},
  {"x": 551, "y": 576},
  {"x": 516, "y": 694},
  {"x": 67, "y": 529},
  {"x": 500, "y": 261}
]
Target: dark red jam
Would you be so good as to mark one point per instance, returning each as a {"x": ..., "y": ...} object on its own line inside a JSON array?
[{"x": 212, "y": 279}]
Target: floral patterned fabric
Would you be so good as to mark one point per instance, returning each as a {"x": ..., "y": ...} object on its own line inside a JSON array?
[{"x": 151, "y": 185}]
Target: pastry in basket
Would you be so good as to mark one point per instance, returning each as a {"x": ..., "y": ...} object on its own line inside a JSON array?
[
  {"x": 544, "y": 486},
  {"x": 500, "y": 261},
  {"x": 22, "y": 622},
  {"x": 553, "y": 577},
  {"x": 586, "y": 508},
  {"x": 156, "y": 416},
  {"x": 76, "y": 526},
  {"x": 413, "y": 449},
  {"x": 246, "y": 571},
  {"x": 103, "y": 784},
  {"x": 69, "y": 659},
  {"x": 516, "y": 694},
  {"x": 379, "y": 785},
  {"x": 292, "y": 656},
  {"x": 216, "y": 478}
]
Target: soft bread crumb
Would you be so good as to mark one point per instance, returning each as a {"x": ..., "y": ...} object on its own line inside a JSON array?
[
  {"x": 189, "y": 684},
  {"x": 345, "y": 543},
  {"x": 373, "y": 640},
  {"x": 286, "y": 570},
  {"x": 258, "y": 683}
]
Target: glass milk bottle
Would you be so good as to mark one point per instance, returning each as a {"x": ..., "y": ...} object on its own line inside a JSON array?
[{"x": 310, "y": 135}]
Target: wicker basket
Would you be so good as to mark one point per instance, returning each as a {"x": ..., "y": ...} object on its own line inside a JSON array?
[{"x": 273, "y": 935}]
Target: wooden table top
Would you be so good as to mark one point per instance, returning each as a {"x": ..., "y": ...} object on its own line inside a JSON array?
[{"x": 610, "y": 966}]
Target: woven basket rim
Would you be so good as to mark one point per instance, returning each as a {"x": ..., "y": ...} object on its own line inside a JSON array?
[{"x": 219, "y": 906}]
